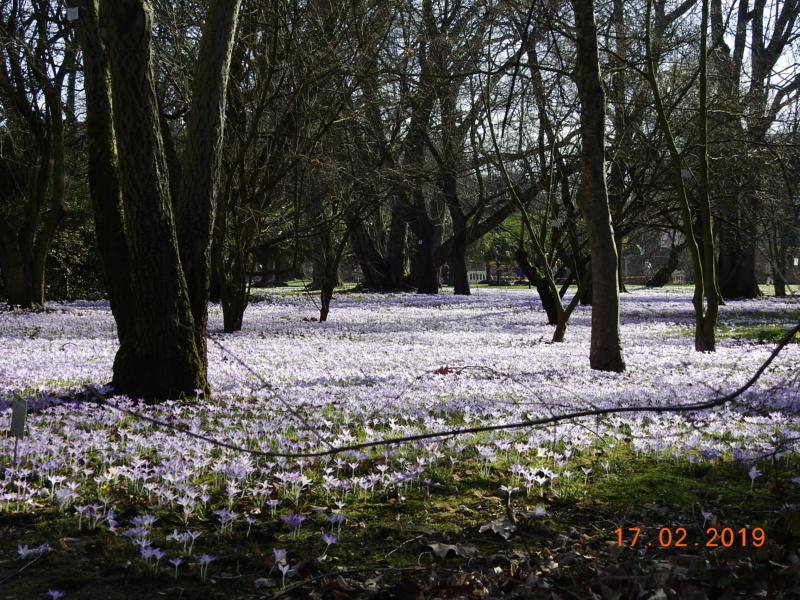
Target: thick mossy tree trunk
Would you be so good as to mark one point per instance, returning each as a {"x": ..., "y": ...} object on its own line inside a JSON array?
[
  {"x": 158, "y": 358},
  {"x": 606, "y": 345},
  {"x": 162, "y": 344}
]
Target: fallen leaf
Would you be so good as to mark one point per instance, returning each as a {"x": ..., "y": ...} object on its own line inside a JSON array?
[
  {"x": 463, "y": 550},
  {"x": 502, "y": 527}
]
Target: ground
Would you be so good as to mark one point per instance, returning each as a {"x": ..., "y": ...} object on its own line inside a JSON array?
[{"x": 648, "y": 505}]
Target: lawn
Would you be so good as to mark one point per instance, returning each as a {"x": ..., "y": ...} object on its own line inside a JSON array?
[{"x": 654, "y": 504}]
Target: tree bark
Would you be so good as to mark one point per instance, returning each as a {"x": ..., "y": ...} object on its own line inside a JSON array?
[
  {"x": 159, "y": 359},
  {"x": 201, "y": 166},
  {"x": 104, "y": 188},
  {"x": 606, "y": 345},
  {"x": 661, "y": 277},
  {"x": 736, "y": 265},
  {"x": 542, "y": 288}
]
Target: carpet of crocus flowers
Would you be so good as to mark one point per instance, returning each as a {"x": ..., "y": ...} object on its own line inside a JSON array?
[{"x": 103, "y": 504}]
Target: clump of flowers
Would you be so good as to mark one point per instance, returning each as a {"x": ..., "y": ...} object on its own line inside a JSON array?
[
  {"x": 187, "y": 538},
  {"x": 25, "y": 552},
  {"x": 205, "y": 560},
  {"x": 336, "y": 521},
  {"x": 294, "y": 522},
  {"x": 226, "y": 519},
  {"x": 152, "y": 556}
]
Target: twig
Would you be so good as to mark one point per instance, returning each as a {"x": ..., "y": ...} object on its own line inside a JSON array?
[{"x": 22, "y": 569}]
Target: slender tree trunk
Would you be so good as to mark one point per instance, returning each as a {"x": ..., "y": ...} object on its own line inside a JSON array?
[
  {"x": 104, "y": 190},
  {"x": 201, "y": 167},
  {"x": 699, "y": 235},
  {"x": 606, "y": 345}
]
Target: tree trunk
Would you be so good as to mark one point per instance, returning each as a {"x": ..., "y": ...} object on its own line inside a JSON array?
[
  {"x": 661, "y": 277},
  {"x": 104, "y": 190},
  {"x": 424, "y": 267},
  {"x": 458, "y": 265},
  {"x": 606, "y": 346},
  {"x": 543, "y": 289},
  {"x": 370, "y": 259},
  {"x": 779, "y": 271},
  {"x": 396, "y": 249},
  {"x": 427, "y": 278},
  {"x": 736, "y": 266},
  {"x": 201, "y": 166},
  {"x": 158, "y": 359},
  {"x": 234, "y": 293},
  {"x": 17, "y": 276},
  {"x": 458, "y": 253}
]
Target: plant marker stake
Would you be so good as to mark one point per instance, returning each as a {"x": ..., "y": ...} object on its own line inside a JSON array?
[{"x": 19, "y": 412}]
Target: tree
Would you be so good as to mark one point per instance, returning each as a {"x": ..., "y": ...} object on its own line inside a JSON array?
[
  {"x": 606, "y": 346},
  {"x": 697, "y": 218},
  {"x": 162, "y": 346},
  {"x": 35, "y": 60},
  {"x": 750, "y": 95}
]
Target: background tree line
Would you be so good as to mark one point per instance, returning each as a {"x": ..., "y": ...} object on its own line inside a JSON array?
[{"x": 201, "y": 138}]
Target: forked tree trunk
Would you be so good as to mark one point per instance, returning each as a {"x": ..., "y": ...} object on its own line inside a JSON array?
[{"x": 162, "y": 348}]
